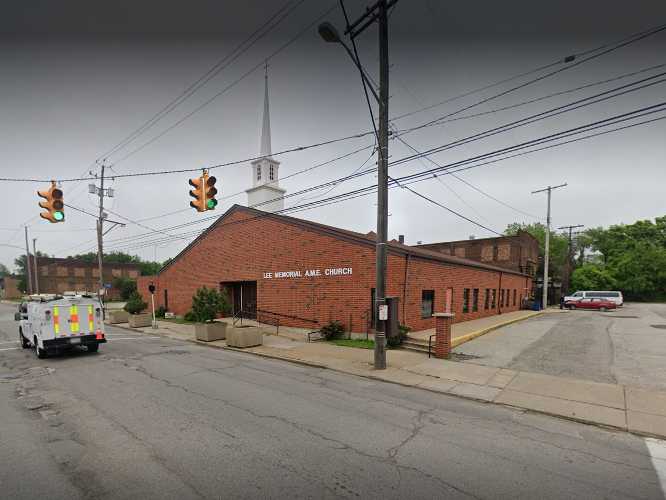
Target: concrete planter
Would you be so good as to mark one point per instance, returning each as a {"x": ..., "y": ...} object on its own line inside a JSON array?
[
  {"x": 140, "y": 320},
  {"x": 117, "y": 316},
  {"x": 210, "y": 331},
  {"x": 244, "y": 337}
]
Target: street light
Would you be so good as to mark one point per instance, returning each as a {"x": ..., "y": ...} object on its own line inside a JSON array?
[{"x": 330, "y": 35}]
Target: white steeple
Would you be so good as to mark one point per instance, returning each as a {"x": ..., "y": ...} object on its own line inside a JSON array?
[{"x": 265, "y": 194}]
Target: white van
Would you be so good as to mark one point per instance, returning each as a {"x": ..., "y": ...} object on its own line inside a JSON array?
[
  {"x": 51, "y": 324},
  {"x": 613, "y": 296}
]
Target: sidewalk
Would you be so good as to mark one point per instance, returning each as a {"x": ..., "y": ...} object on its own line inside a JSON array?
[{"x": 621, "y": 407}]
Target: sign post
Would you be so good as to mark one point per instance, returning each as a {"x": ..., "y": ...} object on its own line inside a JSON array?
[{"x": 151, "y": 289}]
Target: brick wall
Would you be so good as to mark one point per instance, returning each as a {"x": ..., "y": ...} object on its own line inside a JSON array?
[{"x": 245, "y": 251}]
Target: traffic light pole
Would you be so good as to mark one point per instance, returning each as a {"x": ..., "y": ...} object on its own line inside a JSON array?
[{"x": 34, "y": 267}]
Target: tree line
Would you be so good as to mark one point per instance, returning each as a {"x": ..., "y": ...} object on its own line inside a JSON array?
[{"x": 626, "y": 257}]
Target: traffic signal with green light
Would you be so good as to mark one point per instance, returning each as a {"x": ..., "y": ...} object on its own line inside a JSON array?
[
  {"x": 203, "y": 193},
  {"x": 54, "y": 204},
  {"x": 211, "y": 191}
]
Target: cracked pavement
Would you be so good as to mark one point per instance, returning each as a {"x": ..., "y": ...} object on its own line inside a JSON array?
[{"x": 159, "y": 418}]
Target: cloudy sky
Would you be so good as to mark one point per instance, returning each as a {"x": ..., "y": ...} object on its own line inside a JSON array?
[{"x": 78, "y": 77}]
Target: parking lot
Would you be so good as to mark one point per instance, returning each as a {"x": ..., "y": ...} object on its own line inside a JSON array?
[{"x": 626, "y": 346}]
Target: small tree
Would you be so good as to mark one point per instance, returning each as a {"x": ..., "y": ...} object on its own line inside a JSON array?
[
  {"x": 207, "y": 303},
  {"x": 333, "y": 330},
  {"x": 135, "y": 303},
  {"x": 126, "y": 286}
]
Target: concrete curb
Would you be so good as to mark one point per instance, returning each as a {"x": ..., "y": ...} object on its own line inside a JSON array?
[{"x": 456, "y": 341}]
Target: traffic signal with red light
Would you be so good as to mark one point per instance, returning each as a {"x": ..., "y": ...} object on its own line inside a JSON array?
[{"x": 54, "y": 204}]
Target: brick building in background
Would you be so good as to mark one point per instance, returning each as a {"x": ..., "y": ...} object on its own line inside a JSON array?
[
  {"x": 61, "y": 275},
  {"x": 518, "y": 253},
  {"x": 309, "y": 274},
  {"x": 9, "y": 287}
]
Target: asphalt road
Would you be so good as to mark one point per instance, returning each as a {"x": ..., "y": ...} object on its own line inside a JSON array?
[
  {"x": 626, "y": 346},
  {"x": 157, "y": 418}
]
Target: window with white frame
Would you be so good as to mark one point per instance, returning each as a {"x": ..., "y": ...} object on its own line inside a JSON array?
[
  {"x": 258, "y": 172},
  {"x": 271, "y": 173}
]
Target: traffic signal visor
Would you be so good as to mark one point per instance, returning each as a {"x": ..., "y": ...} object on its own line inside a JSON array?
[
  {"x": 198, "y": 194},
  {"x": 53, "y": 204}
]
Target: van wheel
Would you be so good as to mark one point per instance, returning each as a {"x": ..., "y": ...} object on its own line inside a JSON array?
[
  {"x": 93, "y": 347},
  {"x": 24, "y": 342},
  {"x": 41, "y": 353}
]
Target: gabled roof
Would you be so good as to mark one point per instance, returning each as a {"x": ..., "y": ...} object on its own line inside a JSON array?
[{"x": 344, "y": 234}]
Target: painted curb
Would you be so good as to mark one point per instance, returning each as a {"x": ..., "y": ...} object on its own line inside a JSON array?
[{"x": 456, "y": 341}]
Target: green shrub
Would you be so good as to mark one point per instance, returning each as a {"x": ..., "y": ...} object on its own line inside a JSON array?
[
  {"x": 396, "y": 341},
  {"x": 207, "y": 303},
  {"x": 333, "y": 330},
  {"x": 159, "y": 312},
  {"x": 189, "y": 316},
  {"x": 135, "y": 303}
]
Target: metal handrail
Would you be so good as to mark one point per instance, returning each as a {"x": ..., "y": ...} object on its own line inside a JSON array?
[{"x": 430, "y": 344}]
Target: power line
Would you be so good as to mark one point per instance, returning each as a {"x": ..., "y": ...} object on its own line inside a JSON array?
[
  {"x": 410, "y": 179},
  {"x": 216, "y": 69}
]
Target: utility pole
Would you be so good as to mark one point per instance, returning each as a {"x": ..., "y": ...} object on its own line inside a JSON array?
[
  {"x": 100, "y": 236},
  {"x": 544, "y": 300},
  {"x": 34, "y": 267},
  {"x": 567, "y": 282},
  {"x": 27, "y": 262}
]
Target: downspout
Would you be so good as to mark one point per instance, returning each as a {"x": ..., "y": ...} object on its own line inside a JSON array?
[
  {"x": 404, "y": 288},
  {"x": 500, "y": 294}
]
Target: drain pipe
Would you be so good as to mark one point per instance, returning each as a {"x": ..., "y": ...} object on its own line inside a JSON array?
[{"x": 501, "y": 294}]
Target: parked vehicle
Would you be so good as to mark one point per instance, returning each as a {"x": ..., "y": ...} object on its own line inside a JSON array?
[
  {"x": 591, "y": 303},
  {"x": 53, "y": 323},
  {"x": 613, "y": 296}
]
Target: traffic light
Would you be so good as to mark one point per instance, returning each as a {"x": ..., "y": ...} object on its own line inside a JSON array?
[
  {"x": 198, "y": 194},
  {"x": 54, "y": 204},
  {"x": 203, "y": 193},
  {"x": 211, "y": 191}
]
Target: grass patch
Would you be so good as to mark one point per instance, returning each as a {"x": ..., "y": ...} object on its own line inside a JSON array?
[
  {"x": 359, "y": 343},
  {"x": 179, "y": 321}
]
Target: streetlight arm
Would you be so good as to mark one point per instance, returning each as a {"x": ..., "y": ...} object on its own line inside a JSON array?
[{"x": 362, "y": 71}]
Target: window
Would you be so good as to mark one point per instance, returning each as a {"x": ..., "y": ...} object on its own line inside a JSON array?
[
  {"x": 427, "y": 303},
  {"x": 486, "y": 304},
  {"x": 501, "y": 297},
  {"x": 494, "y": 297},
  {"x": 514, "y": 296},
  {"x": 258, "y": 172},
  {"x": 271, "y": 172},
  {"x": 475, "y": 300},
  {"x": 466, "y": 300}
]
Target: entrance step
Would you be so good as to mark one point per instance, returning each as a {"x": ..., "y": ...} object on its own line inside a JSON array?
[{"x": 416, "y": 345}]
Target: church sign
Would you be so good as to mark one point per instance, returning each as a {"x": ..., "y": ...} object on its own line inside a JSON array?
[{"x": 308, "y": 273}]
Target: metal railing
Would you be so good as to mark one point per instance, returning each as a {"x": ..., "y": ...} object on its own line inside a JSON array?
[
  {"x": 267, "y": 317},
  {"x": 430, "y": 344}
]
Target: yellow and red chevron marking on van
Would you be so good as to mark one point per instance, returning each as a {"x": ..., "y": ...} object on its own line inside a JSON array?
[
  {"x": 74, "y": 319},
  {"x": 56, "y": 320},
  {"x": 91, "y": 319}
]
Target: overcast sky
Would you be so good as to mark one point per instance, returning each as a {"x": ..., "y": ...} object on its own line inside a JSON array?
[{"x": 78, "y": 77}]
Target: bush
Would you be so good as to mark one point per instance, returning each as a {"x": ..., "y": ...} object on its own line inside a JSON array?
[
  {"x": 207, "y": 303},
  {"x": 135, "y": 304},
  {"x": 333, "y": 330},
  {"x": 403, "y": 331},
  {"x": 189, "y": 316},
  {"x": 159, "y": 313}
]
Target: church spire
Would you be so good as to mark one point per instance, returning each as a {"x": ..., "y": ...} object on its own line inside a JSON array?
[{"x": 266, "y": 126}]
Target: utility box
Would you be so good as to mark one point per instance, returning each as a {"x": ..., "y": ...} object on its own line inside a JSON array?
[{"x": 392, "y": 323}]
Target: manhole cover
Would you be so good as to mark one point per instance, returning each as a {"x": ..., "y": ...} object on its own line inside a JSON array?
[{"x": 661, "y": 327}]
